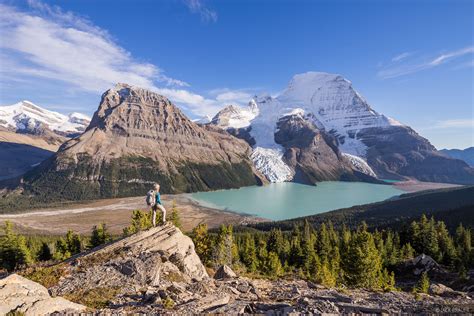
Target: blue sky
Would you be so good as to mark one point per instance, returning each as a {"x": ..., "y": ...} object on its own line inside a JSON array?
[{"x": 411, "y": 60}]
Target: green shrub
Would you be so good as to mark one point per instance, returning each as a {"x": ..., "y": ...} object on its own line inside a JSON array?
[
  {"x": 100, "y": 235},
  {"x": 141, "y": 220}
]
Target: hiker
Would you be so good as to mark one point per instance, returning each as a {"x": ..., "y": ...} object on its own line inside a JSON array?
[{"x": 153, "y": 199}]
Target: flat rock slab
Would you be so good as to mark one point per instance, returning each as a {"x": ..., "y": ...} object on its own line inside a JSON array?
[{"x": 18, "y": 294}]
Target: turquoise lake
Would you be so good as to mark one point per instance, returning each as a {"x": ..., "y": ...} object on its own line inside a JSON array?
[{"x": 286, "y": 200}]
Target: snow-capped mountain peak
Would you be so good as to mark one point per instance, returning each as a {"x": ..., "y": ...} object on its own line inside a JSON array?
[
  {"x": 26, "y": 116},
  {"x": 329, "y": 101}
]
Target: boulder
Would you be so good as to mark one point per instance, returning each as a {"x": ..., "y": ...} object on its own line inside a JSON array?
[
  {"x": 18, "y": 294},
  {"x": 443, "y": 290},
  {"x": 156, "y": 257},
  {"x": 422, "y": 263},
  {"x": 224, "y": 272}
]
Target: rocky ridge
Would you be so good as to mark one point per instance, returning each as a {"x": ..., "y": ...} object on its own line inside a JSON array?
[
  {"x": 136, "y": 138},
  {"x": 158, "y": 271}
]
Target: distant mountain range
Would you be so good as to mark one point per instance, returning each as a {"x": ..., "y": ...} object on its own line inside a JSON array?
[
  {"x": 29, "y": 134},
  {"x": 28, "y": 118},
  {"x": 320, "y": 128},
  {"x": 464, "y": 154}
]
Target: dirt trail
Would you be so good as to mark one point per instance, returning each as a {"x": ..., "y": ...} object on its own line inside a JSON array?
[{"x": 116, "y": 214}]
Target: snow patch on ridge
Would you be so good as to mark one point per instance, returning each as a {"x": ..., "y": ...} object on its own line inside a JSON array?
[{"x": 236, "y": 116}]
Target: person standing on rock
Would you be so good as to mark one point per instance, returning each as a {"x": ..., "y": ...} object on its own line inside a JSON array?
[{"x": 154, "y": 200}]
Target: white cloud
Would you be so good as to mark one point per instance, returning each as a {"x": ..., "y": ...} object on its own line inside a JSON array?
[
  {"x": 59, "y": 46},
  {"x": 397, "y": 68},
  {"x": 455, "y": 123},
  {"x": 401, "y": 56},
  {"x": 197, "y": 6},
  {"x": 228, "y": 96},
  {"x": 450, "y": 124}
]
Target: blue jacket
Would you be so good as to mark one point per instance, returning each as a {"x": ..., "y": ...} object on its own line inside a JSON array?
[{"x": 158, "y": 198}]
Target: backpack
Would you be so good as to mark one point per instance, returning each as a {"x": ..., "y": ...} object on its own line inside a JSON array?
[{"x": 150, "y": 198}]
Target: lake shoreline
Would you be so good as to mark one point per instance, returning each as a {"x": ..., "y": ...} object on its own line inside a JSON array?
[
  {"x": 81, "y": 216},
  {"x": 412, "y": 186}
]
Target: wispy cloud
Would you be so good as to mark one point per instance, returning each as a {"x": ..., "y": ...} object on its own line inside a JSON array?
[
  {"x": 197, "y": 6},
  {"x": 46, "y": 42},
  {"x": 229, "y": 96},
  {"x": 401, "y": 56},
  {"x": 400, "y": 66},
  {"x": 451, "y": 123}
]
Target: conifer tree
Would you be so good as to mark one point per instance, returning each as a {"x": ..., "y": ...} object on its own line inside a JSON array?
[
  {"x": 202, "y": 243},
  {"x": 141, "y": 220},
  {"x": 248, "y": 254},
  {"x": 362, "y": 263},
  {"x": 100, "y": 235},
  {"x": 296, "y": 252},
  {"x": 262, "y": 254},
  {"x": 275, "y": 241},
  {"x": 45, "y": 252},
  {"x": 272, "y": 265},
  {"x": 61, "y": 250},
  {"x": 13, "y": 249},
  {"x": 224, "y": 249},
  {"x": 73, "y": 241},
  {"x": 431, "y": 247},
  {"x": 324, "y": 242},
  {"x": 423, "y": 284},
  {"x": 407, "y": 251}
]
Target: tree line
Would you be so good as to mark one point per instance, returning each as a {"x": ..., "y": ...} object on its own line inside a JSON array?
[
  {"x": 323, "y": 254},
  {"x": 334, "y": 257}
]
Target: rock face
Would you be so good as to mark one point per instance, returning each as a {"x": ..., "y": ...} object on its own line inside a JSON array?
[
  {"x": 155, "y": 258},
  {"x": 397, "y": 152},
  {"x": 312, "y": 152},
  {"x": 373, "y": 143},
  {"x": 21, "y": 295},
  {"x": 136, "y": 138}
]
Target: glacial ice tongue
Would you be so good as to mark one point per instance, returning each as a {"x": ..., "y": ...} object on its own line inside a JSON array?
[{"x": 269, "y": 161}]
